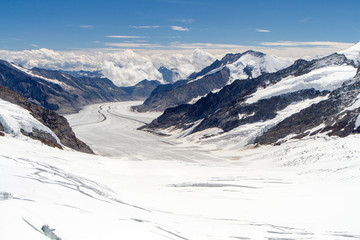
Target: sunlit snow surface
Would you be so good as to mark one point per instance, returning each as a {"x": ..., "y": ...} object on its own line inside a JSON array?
[
  {"x": 327, "y": 78},
  {"x": 150, "y": 187}
]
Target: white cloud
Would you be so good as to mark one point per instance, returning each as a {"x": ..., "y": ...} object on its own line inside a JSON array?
[
  {"x": 87, "y": 26},
  {"x": 145, "y": 27},
  {"x": 262, "y": 30},
  {"x": 124, "y": 68},
  {"x": 127, "y": 68},
  {"x": 125, "y": 36},
  {"x": 178, "y": 28}
]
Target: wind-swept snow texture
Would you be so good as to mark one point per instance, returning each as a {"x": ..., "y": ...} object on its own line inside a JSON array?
[{"x": 157, "y": 189}]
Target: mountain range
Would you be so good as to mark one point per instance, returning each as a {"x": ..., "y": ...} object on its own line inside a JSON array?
[
  {"x": 244, "y": 98},
  {"x": 64, "y": 93},
  {"x": 306, "y": 98},
  {"x": 220, "y": 73}
]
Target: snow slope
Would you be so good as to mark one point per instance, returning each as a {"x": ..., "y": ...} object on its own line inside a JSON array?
[
  {"x": 244, "y": 134},
  {"x": 353, "y": 53},
  {"x": 30, "y": 73},
  {"x": 253, "y": 62},
  {"x": 304, "y": 189},
  {"x": 258, "y": 66},
  {"x": 15, "y": 118},
  {"x": 327, "y": 78}
]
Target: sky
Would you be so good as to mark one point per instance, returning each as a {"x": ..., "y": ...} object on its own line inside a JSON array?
[
  {"x": 129, "y": 40},
  {"x": 67, "y": 25}
]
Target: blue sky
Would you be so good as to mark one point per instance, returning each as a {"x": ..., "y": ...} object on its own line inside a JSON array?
[{"x": 175, "y": 24}]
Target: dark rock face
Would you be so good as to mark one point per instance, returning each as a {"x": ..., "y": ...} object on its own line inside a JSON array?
[
  {"x": 181, "y": 92},
  {"x": 169, "y": 75},
  {"x": 1, "y": 130},
  {"x": 42, "y": 136},
  {"x": 333, "y": 113},
  {"x": 65, "y": 95},
  {"x": 58, "y": 124},
  {"x": 142, "y": 90},
  {"x": 185, "y": 92},
  {"x": 213, "y": 66},
  {"x": 227, "y": 108}
]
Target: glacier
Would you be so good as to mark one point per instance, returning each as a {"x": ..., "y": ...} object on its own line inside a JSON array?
[{"x": 145, "y": 186}]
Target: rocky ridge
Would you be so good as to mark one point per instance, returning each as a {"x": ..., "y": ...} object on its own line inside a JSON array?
[
  {"x": 336, "y": 116},
  {"x": 228, "y": 109},
  {"x": 64, "y": 93},
  {"x": 56, "y": 123}
]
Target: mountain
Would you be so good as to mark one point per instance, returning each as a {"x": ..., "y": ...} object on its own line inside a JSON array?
[
  {"x": 65, "y": 93},
  {"x": 82, "y": 73},
  {"x": 273, "y": 106},
  {"x": 142, "y": 89},
  {"x": 169, "y": 75},
  {"x": 245, "y": 65},
  {"x": 338, "y": 115},
  {"x": 20, "y": 118}
]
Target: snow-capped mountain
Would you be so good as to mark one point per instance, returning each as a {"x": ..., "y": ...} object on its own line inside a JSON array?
[
  {"x": 353, "y": 53},
  {"x": 302, "y": 99},
  {"x": 249, "y": 64},
  {"x": 21, "y": 119}
]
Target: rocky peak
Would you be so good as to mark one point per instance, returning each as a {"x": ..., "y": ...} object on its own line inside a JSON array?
[
  {"x": 333, "y": 59},
  {"x": 231, "y": 57},
  {"x": 169, "y": 75}
]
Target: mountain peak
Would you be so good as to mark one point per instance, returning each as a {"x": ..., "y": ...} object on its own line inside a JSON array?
[
  {"x": 353, "y": 53},
  {"x": 230, "y": 58}
]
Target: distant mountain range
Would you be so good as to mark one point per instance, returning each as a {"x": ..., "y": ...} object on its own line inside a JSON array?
[
  {"x": 245, "y": 65},
  {"x": 306, "y": 98},
  {"x": 65, "y": 93}
]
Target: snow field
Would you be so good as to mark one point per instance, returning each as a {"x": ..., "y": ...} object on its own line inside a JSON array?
[{"x": 157, "y": 189}]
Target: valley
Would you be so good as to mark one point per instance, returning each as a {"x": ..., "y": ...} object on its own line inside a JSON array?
[{"x": 179, "y": 120}]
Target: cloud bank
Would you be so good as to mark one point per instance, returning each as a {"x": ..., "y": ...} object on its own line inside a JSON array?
[{"x": 123, "y": 67}]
